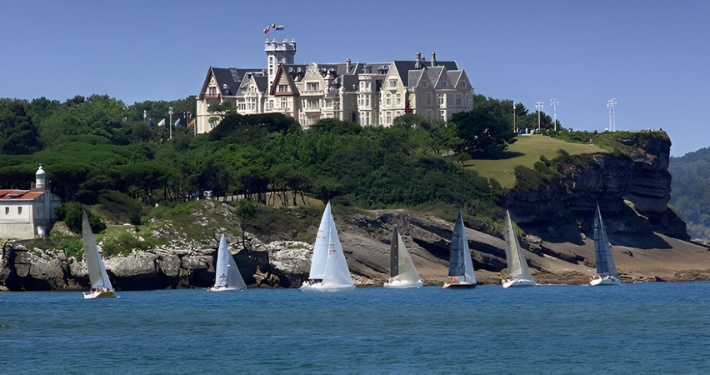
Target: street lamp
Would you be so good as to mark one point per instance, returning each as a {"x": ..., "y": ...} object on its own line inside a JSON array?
[
  {"x": 187, "y": 115},
  {"x": 170, "y": 124},
  {"x": 612, "y": 113},
  {"x": 538, "y": 106},
  {"x": 554, "y": 103},
  {"x": 514, "y": 129}
]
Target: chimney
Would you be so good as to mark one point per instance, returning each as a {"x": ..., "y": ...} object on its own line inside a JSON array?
[
  {"x": 347, "y": 66},
  {"x": 433, "y": 59},
  {"x": 418, "y": 64}
]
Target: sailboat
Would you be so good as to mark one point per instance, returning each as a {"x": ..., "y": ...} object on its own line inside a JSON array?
[
  {"x": 329, "y": 270},
  {"x": 403, "y": 275},
  {"x": 606, "y": 269},
  {"x": 518, "y": 271},
  {"x": 460, "y": 262},
  {"x": 100, "y": 284},
  {"x": 227, "y": 276}
]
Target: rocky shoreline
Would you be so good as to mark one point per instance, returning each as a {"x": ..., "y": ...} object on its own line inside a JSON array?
[{"x": 365, "y": 238}]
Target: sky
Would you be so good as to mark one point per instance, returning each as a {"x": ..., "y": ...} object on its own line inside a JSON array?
[{"x": 653, "y": 57}]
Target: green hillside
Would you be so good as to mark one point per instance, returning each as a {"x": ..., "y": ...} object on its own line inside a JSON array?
[{"x": 525, "y": 151}]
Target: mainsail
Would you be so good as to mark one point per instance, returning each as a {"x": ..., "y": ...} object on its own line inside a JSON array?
[
  {"x": 602, "y": 250},
  {"x": 336, "y": 268},
  {"x": 517, "y": 266},
  {"x": 97, "y": 272},
  {"x": 320, "y": 249},
  {"x": 401, "y": 265},
  {"x": 226, "y": 272},
  {"x": 460, "y": 262}
]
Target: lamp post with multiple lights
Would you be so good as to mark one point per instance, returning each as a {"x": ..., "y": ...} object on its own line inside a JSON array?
[
  {"x": 612, "y": 114},
  {"x": 538, "y": 107},
  {"x": 554, "y": 103},
  {"x": 170, "y": 124}
]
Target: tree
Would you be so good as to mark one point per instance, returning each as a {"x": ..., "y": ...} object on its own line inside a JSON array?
[
  {"x": 18, "y": 132},
  {"x": 71, "y": 214},
  {"x": 221, "y": 110}
]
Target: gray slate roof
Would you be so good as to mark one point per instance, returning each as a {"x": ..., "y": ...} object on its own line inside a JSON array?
[{"x": 231, "y": 77}]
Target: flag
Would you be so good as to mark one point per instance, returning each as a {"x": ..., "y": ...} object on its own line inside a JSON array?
[
  {"x": 191, "y": 123},
  {"x": 177, "y": 123},
  {"x": 273, "y": 25},
  {"x": 145, "y": 114},
  {"x": 162, "y": 122},
  {"x": 280, "y": 27},
  {"x": 150, "y": 124},
  {"x": 266, "y": 30}
]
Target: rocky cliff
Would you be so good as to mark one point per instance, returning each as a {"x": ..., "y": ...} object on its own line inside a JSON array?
[{"x": 631, "y": 186}]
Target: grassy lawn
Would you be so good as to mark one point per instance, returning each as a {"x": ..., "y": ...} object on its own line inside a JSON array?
[{"x": 529, "y": 149}]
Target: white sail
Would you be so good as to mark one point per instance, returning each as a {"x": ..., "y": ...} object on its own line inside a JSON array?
[
  {"x": 407, "y": 272},
  {"x": 97, "y": 272},
  {"x": 226, "y": 271},
  {"x": 517, "y": 266},
  {"x": 336, "y": 268},
  {"x": 320, "y": 249}
]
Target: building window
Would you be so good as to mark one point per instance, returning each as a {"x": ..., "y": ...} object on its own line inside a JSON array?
[
  {"x": 213, "y": 91},
  {"x": 443, "y": 115},
  {"x": 213, "y": 124},
  {"x": 367, "y": 100},
  {"x": 428, "y": 98},
  {"x": 282, "y": 88},
  {"x": 284, "y": 103},
  {"x": 441, "y": 99},
  {"x": 424, "y": 84},
  {"x": 443, "y": 84},
  {"x": 399, "y": 99},
  {"x": 458, "y": 99},
  {"x": 312, "y": 86},
  {"x": 463, "y": 84},
  {"x": 19, "y": 210},
  {"x": 389, "y": 99},
  {"x": 7, "y": 210},
  {"x": 393, "y": 83}
]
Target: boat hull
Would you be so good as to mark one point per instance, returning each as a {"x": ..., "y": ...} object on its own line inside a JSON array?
[
  {"x": 223, "y": 289},
  {"x": 518, "y": 283},
  {"x": 94, "y": 295},
  {"x": 319, "y": 288},
  {"x": 397, "y": 284},
  {"x": 459, "y": 285},
  {"x": 604, "y": 281}
]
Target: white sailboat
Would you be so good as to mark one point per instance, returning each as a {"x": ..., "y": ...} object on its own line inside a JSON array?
[
  {"x": 227, "y": 276},
  {"x": 329, "y": 270},
  {"x": 518, "y": 271},
  {"x": 606, "y": 269},
  {"x": 460, "y": 262},
  {"x": 100, "y": 283},
  {"x": 403, "y": 275}
]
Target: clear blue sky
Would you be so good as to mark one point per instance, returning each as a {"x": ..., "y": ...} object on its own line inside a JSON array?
[{"x": 652, "y": 56}]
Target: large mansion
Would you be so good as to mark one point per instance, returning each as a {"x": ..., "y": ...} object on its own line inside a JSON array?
[{"x": 366, "y": 93}]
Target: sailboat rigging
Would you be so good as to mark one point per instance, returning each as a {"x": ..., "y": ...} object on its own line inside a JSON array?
[
  {"x": 460, "y": 262},
  {"x": 403, "y": 274},
  {"x": 606, "y": 269},
  {"x": 518, "y": 271},
  {"x": 227, "y": 276},
  {"x": 100, "y": 283}
]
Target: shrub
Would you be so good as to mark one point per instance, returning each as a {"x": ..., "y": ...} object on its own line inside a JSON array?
[
  {"x": 71, "y": 214},
  {"x": 121, "y": 204}
]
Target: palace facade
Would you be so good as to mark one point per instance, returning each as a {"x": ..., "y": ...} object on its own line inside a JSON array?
[{"x": 365, "y": 93}]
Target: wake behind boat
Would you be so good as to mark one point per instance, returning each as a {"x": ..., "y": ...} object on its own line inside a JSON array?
[
  {"x": 518, "y": 271},
  {"x": 329, "y": 269},
  {"x": 460, "y": 262},
  {"x": 403, "y": 275},
  {"x": 227, "y": 276},
  {"x": 606, "y": 269},
  {"x": 100, "y": 283}
]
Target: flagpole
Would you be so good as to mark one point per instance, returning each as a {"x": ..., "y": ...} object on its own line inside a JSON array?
[{"x": 170, "y": 124}]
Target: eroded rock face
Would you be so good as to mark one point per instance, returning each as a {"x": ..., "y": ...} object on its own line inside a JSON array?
[{"x": 641, "y": 178}]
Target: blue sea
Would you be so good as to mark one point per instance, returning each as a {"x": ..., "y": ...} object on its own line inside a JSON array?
[{"x": 636, "y": 328}]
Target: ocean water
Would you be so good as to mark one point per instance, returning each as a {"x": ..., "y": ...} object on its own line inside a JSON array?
[{"x": 636, "y": 328}]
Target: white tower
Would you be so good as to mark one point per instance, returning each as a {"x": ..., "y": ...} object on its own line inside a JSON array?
[
  {"x": 278, "y": 53},
  {"x": 41, "y": 177}
]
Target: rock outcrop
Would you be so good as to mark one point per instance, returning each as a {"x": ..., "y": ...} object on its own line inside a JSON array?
[{"x": 632, "y": 191}]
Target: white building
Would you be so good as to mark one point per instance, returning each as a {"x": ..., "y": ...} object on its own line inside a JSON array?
[
  {"x": 366, "y": 93},
  {"x": 26, "y": 214}
]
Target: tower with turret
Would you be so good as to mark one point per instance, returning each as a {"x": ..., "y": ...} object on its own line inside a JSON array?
[{"x": 278, "y": 53}]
